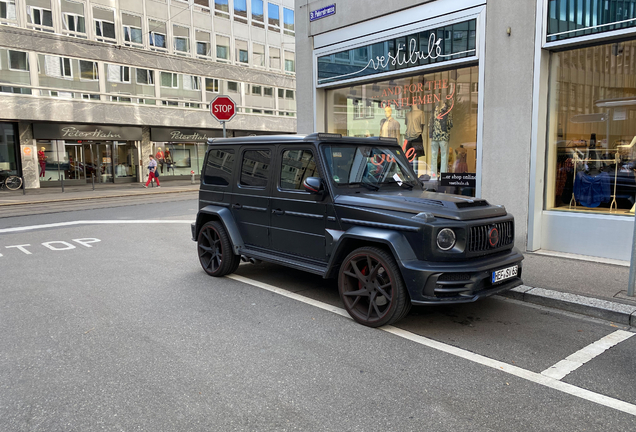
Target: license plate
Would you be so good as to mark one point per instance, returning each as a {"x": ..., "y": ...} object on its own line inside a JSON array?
[{"x": 503, "y": 274}]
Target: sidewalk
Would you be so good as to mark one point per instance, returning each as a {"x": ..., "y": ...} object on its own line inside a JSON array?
[
  {"x": 583, "y": 286},
  {"x": 102, "y": 191}
]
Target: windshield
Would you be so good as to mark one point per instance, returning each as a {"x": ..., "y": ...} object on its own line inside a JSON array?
[{"x": 369, "y": 166}]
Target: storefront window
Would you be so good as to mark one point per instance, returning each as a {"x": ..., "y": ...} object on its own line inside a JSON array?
[
  {"x": 592, "y": 130},
  {"x": 8, "y": 153},
  {"x": 178, "y": 159},
  {"x": 432, "y": 116}
]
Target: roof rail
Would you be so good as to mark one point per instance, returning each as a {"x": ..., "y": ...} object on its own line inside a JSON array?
[{"x": 323, "y": 136}]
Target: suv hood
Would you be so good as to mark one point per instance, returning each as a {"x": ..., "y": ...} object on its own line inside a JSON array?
[{"x": 440, "y": 205}]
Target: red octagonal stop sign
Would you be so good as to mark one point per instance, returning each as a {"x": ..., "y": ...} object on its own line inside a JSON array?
[{"x": 223, "y": 108}]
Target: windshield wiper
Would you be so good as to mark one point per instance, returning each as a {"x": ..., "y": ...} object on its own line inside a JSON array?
[{"x": 370, "y": 186}]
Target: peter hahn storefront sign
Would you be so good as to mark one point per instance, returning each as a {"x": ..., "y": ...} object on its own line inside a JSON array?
[
  {"x": 159, "y": 134},
  {"x": 57, "y": 131}
]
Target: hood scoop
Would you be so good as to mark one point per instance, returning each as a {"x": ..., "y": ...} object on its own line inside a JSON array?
[
  {"x": 472, "y": 203},
  {"x": 425, "y": 201}
]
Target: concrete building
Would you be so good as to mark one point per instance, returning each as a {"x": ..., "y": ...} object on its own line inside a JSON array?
[
  {"x": 90, "y": 88},
  {"x": 527, "y": 103}
]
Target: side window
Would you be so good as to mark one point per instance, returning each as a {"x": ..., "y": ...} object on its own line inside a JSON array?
[
  {"x": 296, "y": 166},
  {"x": 255, "y": 168},
  {"x": 219, "y": 168}
]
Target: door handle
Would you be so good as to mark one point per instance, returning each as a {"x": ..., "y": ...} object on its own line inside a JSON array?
[
  {"x": 278, "y": 212},
  {"x": 237, "y": 206}
]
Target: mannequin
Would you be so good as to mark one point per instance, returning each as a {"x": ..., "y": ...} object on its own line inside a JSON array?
[
  {"x": 439, "y": 133},
  {"x": 414, "y": 127},
  {"x": 159, "y": 157},
  {"x": 460, "y": 164},
  {"x": 389, "y": 127},
  {"x": 168, "y": 160},
  {"x": 42, "y": 161}
]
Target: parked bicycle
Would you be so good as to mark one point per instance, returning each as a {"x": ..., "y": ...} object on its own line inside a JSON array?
[{"x": 11, "y": 182}]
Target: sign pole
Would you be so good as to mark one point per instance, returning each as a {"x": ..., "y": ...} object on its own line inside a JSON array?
[{"x": 224, "y": 135}]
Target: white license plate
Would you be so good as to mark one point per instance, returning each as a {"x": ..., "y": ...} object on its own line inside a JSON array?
[{"x": 503, "y": 274}]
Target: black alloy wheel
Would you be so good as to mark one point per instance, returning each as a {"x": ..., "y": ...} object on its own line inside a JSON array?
[
  {"x": 371, "y": 287},
  {"x": 215, "y": 250}
]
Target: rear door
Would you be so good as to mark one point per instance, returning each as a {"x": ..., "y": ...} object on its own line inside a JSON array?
[
  {"x": 298, "y": 218},
  {"x": 250, "y": 201}
]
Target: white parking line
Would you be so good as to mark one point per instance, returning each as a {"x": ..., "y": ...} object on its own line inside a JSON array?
[
  {"x": 93, "y": 222},
  {"x": 458, "y": 352},
  {"x": 579, "y": 358}
]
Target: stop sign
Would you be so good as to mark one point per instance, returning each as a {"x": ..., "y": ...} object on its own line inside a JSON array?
[{"x": 223, "y": 108}]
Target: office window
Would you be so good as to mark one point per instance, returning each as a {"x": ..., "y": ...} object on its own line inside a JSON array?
[
  {"x": 290, "y": 62},
  {"x": 7, "y": 10},
  {"x": 274, "y": 58},
  {"x": 258, "y": 19},
  {"x": 169, "y": 80},
  {"x": 104, "y": 24},
  {"x": 191, "y": 82},
  {"x": 221, "y": 8},
  {"x": 241, "y": 51},
  {"x": 212, "y": 85},
  {"x": 288, "y": 21},
  {"x": 54, "y": 66},
  {"x": 181, "y": 39},
  {"x": 268, "y": 91},
  {"x": 204, "y": 3},
  {"x": 88, "y": 70},
  {"x": 289, "y": 94},
  {"x": 18, "y": 60},
  {"x": 240, "y": 11},
  {"x": 257, "y": 90},
  {"x": 258, "y": 55},
  {"x": 232, "y": 86},
  {"x": 73, "y": 18},
  {"x": 222, "y": 48},
  {"x": 133, "y": 34},
  {"x": 273, "y": 16},
  {"x": 281, "y": 93},
  {"x": 39, "y": 14},
  {"x": 157, "y": 34},
  {"x": 204, "y": 48},
  {"x": 118, "y": 74},
  {"x": 145, "y": 76}
]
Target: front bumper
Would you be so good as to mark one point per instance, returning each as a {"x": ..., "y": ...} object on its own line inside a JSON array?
[{"x": 460, "y": 282}]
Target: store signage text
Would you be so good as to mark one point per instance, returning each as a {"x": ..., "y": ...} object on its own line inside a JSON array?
[
  {"x": 322, "y": 12},
  {"x": 97, "y": 133},
  {"x": 179, "y": 136},
  {"x": 458, "y": 179},
  {"x": 55, "y": 246},
  {"x": 410, "y": 95}
]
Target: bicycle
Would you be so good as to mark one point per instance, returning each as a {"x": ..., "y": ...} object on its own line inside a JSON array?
[{"x": 11, "y": 182}]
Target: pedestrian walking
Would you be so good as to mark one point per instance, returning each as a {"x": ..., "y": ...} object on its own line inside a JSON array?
[{"x": 152, "y": 171}]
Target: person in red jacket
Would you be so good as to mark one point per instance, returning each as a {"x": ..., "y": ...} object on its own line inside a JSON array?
[{"x": 42, "y": 160}]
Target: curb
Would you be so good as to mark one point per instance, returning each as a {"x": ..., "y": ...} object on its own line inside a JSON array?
[
  {"x": 97, "y": 197},
  {"x": 619, "y": 313}
]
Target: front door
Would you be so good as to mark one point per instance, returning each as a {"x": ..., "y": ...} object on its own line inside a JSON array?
[
  {"x": 250, "y": 202},
  {"x": 98, "y": 158},
  {"x": 298, "y": 217}
]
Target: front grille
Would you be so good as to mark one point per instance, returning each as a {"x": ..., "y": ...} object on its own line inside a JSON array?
[{"x": 478, "y": 236}]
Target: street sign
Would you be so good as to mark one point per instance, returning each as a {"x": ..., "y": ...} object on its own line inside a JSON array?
[{"x": 223, "y": 108}]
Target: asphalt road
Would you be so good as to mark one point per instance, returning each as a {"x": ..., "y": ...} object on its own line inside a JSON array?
[{"x": 112, "y": 325}]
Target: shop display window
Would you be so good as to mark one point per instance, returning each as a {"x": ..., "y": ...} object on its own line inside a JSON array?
[
  {"x": 8, "y": 153},
  {"x": 433, "y": 117},
  {"x": 179, "y": 159},
  {"x": 591, "y": 145}
]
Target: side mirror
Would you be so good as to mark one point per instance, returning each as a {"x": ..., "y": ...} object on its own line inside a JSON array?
[{"x": 314, "y": 185}]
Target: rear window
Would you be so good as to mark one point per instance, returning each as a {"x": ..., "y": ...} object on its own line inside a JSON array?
[
  {"x": 219, "y": 168},
  {"x": 255, "y": 168}
]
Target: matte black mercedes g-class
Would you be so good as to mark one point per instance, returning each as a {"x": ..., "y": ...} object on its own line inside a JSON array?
[{"x": 351, "y": 208}]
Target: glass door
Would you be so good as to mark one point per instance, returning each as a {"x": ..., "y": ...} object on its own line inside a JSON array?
[{"x": 125, "y": 162}]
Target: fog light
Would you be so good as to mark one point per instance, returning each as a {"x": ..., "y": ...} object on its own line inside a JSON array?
[{"x": 446, "y": 239}]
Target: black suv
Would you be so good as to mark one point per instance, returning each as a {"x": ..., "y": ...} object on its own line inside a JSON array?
[{"x": 351, "y": 208}]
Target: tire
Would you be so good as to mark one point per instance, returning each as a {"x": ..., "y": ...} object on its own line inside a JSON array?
[
  {"x": 13, "y": 182},
  {"x": 371, "y": 287},
  {"x": 215, "y": 250}
]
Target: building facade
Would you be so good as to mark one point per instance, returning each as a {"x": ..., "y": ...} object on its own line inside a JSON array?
[
  {"x": 530, "y": 104},
  {"x": 90, "y": 88}
]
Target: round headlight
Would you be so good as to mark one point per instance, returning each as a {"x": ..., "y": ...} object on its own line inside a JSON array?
[{"x": 446, "y": 239}]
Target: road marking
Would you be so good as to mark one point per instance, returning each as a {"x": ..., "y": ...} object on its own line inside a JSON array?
[
  {"x": 534, "y": 377},
  {"x": 92, "y": 222},
  {"x": 579, "y": 358}
]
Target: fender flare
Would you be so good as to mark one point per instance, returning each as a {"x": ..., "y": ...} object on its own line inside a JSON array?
[
  {"x": 395, "y": 240},
  {"x": 226, "y": 218}
]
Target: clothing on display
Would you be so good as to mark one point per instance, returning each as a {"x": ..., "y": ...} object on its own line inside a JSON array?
[
  {"x": 389, "y": 127},
  {"x": 460, "y": 164},
  {"x": 159, "y": 157},
  {"x": 442, "y": 147},
  {"x": 440, "y": 126},
  {"x": 42, "y": 161},
  {"x": 591, "y": 191}
]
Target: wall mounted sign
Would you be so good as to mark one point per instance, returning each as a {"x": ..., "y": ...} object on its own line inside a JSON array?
[
  {"x": 183, "y": 135},
  {"x": 61, "y": 131},
  {"x": 458, "y": 179},
  {"x": 322, "y": 12},
  {"x": 433, "y": 46}
]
